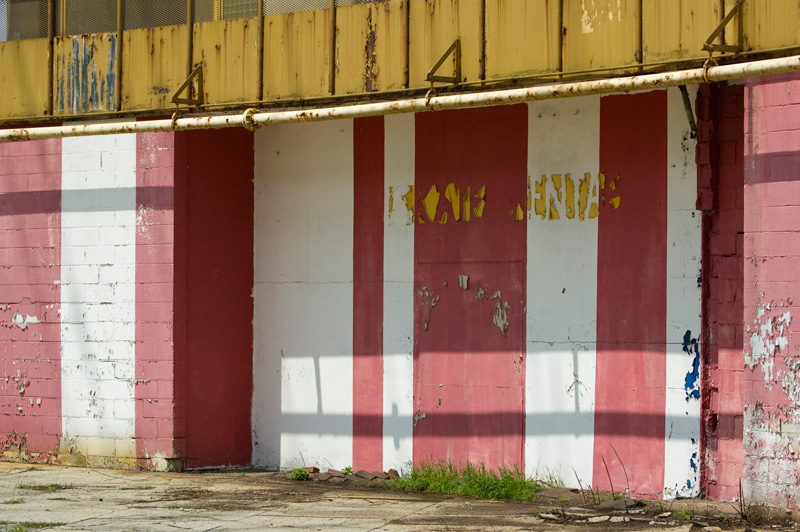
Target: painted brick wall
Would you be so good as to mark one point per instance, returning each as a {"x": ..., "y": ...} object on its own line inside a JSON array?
[
  {"x": 160, "y": 342},
  {"x": 772, "y": 290},
  {"x": 30, "y": 300},
  {"x": 720, "y": 113},
  {"x": 98, "y": 299}
]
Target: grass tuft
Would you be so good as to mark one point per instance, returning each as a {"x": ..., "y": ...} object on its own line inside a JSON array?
[
  {"x": 14, "y": 501},
  {"x": 299, "y": 473},
  {"x": 470, "y": 480},
  {"x": 28, "y": 526}
]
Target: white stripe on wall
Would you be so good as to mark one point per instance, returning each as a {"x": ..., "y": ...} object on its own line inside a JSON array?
[
  {"x": 98, "y": 258},
  {"x": 303, "y": 316},
  {"x": 563, "y": 137},
  {"x": 398, "y": 293},
  {"x": 683, "y": 305}
]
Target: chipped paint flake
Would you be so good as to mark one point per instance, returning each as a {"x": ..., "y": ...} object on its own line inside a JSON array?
[
  {"x": 24, "y": 321},
  {"x": 463, "y": 280},
  {"x": 501, "y": 316},
  {"x": 692, "y": 383},
  {"x": 431, "y": 202},
  {"x": 453, "y": 195}
]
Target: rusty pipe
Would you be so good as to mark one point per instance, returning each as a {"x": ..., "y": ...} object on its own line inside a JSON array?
[{"x": 252, "y": 119}]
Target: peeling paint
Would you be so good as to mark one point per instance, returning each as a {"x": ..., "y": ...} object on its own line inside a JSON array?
[
  {"x": 463, "y": 280},
  {"x": 501, "y": 316},
  {"x": 24, "y": 321},
  {"x": 692, "y": 384},
  {"x": 768, "y": 337}
]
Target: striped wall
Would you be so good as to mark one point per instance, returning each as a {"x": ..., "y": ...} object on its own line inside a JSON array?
[
  {"x": 514, "y": 285},
  {"x": 536, "y": 302}
]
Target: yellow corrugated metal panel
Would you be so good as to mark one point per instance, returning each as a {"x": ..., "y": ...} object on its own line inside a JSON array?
[
  {"x": 600, "y": 33},
  {"x": 23, "y": 78},
  {"x": 370, "y": 53},
  {"x": 767, "y": 24},
  {"x": 296, "y": 58},
  {"x": 522, "y": 37},
  {"x": 153, "y": 66},
  {"x": 434, "y": 25},
  {"x": 677, "y": 29},
  {"x": 84, "y": 79},
  {"x": 229, "y": 51}
]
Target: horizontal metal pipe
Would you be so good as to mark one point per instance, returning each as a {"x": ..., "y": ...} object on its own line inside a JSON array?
[{"x": 251, "y": 119}]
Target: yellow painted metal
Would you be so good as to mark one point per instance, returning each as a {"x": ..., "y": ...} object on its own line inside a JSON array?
[
  {"x": 84, "y": 80},
  {"x": 153, "y": 66},
  {"x": 433, "y": 27},
  {"x": 229, "y": 53},
  {"x": 23, "y": 85},
  {"x": 370, "y": 53},
  {"x": 676, "y": 29},
  {"x": 296, "y": 58},
  {"x": 600, "y": 33},
  {"x": 522, "y": 37},
  {"x": 767, "y": 24}
]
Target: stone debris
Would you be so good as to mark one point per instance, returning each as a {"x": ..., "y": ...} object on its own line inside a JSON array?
[
  {"x": 619, "y": 519},
  {"x": 711, "y": 529},
  {"x": 599, "y": 519},
  {"x": 664, "y": 515},
  {"x": 549, "y": 517}
]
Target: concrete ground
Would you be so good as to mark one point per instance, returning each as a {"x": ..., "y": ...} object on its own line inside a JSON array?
[{"x": 45, "y": 498}]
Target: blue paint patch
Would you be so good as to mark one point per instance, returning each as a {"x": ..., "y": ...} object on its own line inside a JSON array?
[
  {"x": 111, "y": 77},
  {"x": 692, "y": 384}
]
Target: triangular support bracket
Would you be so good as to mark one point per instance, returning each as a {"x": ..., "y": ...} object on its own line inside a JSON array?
[
  {"x": 709, "y": 45},
  {"x": 455, "y": 50},
  {"x": 197, "y": 74}
]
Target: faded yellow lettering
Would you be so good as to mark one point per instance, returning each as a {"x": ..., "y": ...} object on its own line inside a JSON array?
[
  {"x": 520, "y": 213},
  {"x": 570, "y": 186},
  {"x": 454, "y": 197},
  {"x": 614, "y": 202},
  {"x": 557, "y": 184},
  {"x": 594, "y": 211},
  {"x": 528, "y": 201},
  {"x": 583, "y": 199},
  {"x": 443, "y": 219},
  {"x": 467, "y": 204},
  {"x": 431, "y": 202},
  {"x": 602, "y": 178},
  {"x": 540, "y": 203},
  {"x": 553, "y": 210},
  {"x": 409, "y": 197},
  {"x": 482, "y": 205},
  {"x": 391, "y": 199}
]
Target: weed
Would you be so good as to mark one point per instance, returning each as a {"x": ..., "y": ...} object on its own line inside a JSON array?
[
  {"x": 469, "y": 480},
  {"x": 722, "y": 517},
  {"x": 44, "y": 487},
  {"x": 348, "y": 470},
  {"x": 684, "y": 514},
  {"x": 299, "y": 473},
  {"x": 173, "y": 506},
  {"x": 28, "y": 526},
  {"x": 552, "y": 480},
  {"x": 14, "y": 501},
  {"x": 563, "y": 498}
]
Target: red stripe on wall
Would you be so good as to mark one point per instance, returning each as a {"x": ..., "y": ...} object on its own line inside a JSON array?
[
  {"x": 218, "y": 305},
  {"x": 30, "y": 298},
  {"x": 368, "y": 294},
  {"x": 159, "y": 381},
  {"x": 469, "y": 376},
  {"x": 630, "y": 397}
]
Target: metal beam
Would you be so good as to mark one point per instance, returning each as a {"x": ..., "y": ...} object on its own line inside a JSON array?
[{"x": 252, "y": 119}]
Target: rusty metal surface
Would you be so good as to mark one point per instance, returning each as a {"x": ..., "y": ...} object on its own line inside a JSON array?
[
  {"x": 599, "y": 33},
  {"x": 84, "y": 73},
  {"x": 22, "y": 83},
  {"x": 676, "y": 29},
  {"x": 296, "y": 58},
  {"x": 252, "y": 119},
  {"x": 229, "y": 52},
  {"x": 433, "y": 28},
  {"x": 370, "y": 52},
  {"x": 768, "y": 23},
  {"x": 522, "y": 37},
  {"x": 153, "y": 66}
]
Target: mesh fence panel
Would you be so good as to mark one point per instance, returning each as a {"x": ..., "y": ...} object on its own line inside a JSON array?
[
  {"x": 86, "y": 16},
  {"x": 154, "y": 13},
  {"x": 203, "y": 10},
  {"x": 23, "y": 19},
  {"x": 272, "y": 7},
  {"x": 240, "y": 8}
]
